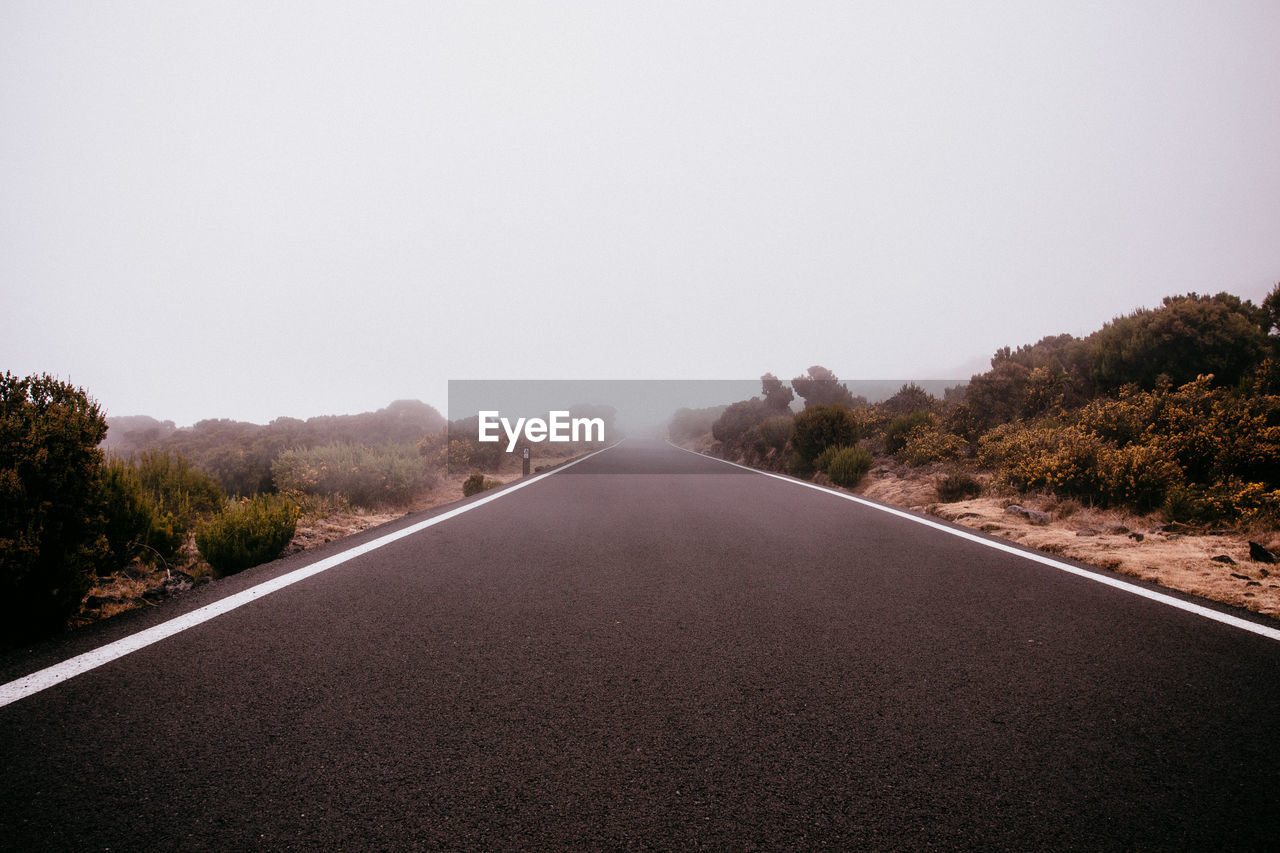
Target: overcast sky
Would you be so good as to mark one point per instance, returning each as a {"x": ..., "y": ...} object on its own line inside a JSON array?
[{"x": 258, "y": 209}]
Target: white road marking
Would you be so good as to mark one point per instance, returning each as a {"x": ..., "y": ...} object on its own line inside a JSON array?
[
  {"x": 48, "y": 677},
  {"x": 1144, "y": 592}
]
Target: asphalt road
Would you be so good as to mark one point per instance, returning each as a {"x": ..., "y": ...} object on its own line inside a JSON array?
[{"x": 653, "y": 650}]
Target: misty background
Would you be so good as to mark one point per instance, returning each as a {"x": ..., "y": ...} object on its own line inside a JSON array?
[{"x": 251, "y": 210}]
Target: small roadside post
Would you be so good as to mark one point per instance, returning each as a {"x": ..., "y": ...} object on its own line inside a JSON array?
[{"x": 524, "y": 453}]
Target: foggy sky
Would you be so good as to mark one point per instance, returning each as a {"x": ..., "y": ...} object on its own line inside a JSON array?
[{"x": 250, "y": 210}]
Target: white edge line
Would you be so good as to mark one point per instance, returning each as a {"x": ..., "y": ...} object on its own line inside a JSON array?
[
  {"x": 1144, "y": 592},
  {"x": 59, "y": 672}
]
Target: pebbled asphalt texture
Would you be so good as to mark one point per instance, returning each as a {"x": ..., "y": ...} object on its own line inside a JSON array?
[{"x": 652, "y": 650}]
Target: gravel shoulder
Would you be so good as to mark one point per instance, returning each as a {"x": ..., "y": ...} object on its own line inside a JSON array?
[{"x": 1142, "y": 546}]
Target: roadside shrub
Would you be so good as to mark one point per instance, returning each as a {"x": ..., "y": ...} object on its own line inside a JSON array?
[
  {"x": 477, "y": 483},
  {"x": 1068, "y": 460},
  {"x": 50, "y": 502},
  {"x": 900, "y": 428},
  {"x": 247, "y": 533},
  {"x": 825, "y": 457},
  {"x": 367, "y": 476},
  {"x": 958, "y": 486},
  {"x": 128, "y": 515},
  {"x": 925, "y": 445},
  {"x": 848, "y": 465},
  {"x": 1184, "y": 505},
  {"x": 909, "y": 398},
  {"x": 775, "y": 431},
  {"x": 176, "y": 488},
  {"x": 738, "y": 418},
  {"x": 150, "y": 504},
  {"x": 821, "y": 426},
  {"x": 798, "y": 466},
  {"x": 167, "y": 536},
  {"x": 1234, "y": 500}
]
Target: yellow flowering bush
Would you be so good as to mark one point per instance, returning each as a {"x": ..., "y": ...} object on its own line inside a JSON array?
[
  {"x": 928, "y": 444},
  {"x": 1207, "y": 453},
  {"x": 1069, "y": 460}
]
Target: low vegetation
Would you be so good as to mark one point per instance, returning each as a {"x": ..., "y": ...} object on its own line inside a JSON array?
[
  {"x": 847, "y": 465},
  {"x": 247, "y": 532},
  {"x": 239, "y": 455},
  {"x": 370, "y": 477},
  {"x": 1174, "y": 409},
  {"x": 477, "y": 483}
]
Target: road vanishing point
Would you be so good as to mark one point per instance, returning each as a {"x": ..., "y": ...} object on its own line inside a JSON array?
[{"x": 651, "y": 650}]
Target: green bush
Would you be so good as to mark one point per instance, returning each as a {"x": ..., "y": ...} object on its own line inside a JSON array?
[
  {"x": 1233, "y": 500},
  {"x": 247, "y": 533},
  {"x": 150, "y": 504},
  {"x": 825, "y": 457},
  {"x": 908, "y": 399},
  {"x": 50, "y": 502},
  {"x": 775, "y": 431},
  {"x": 1185, "y": 337},
  {"x": 367, "y": 476},
  {"x": 958, "y": 486},
  {"x": 821, "y": 426},
  {"x": 176, "y": 488},
  {"x": 848, "y": 465},
  {"x": 900, "y": 428},
  {"x": 739, "y": 417},
  {"x": 477, "y": 483},
  {"x": 127, "y": 513},
  {"x": 798, "y": 466}
]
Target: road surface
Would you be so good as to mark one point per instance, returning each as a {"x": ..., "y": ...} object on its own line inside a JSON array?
[{"x": 654, "y": 650}]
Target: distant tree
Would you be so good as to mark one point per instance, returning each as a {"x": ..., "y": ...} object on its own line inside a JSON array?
[
  {"x": 687, "y": 424},
  {"x": 821, "y": 387},
  {"x": 777, "y": 396},
  {"x": 50, "y": 502}
]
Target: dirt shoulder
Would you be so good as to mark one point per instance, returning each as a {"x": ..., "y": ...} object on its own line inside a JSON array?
[{"x": 1141, "y": 546}]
